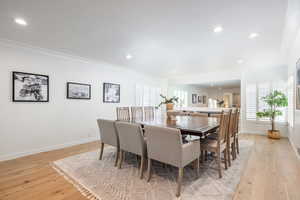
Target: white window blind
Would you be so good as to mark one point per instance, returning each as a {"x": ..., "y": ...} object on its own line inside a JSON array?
[
  {"x": 263, "y": 89},
  {"x": 183, "y": 97},
  {"x": 254, "y": 102},
  {"x": 147, "y": 96},
  {"x": 251, "y": 101}
]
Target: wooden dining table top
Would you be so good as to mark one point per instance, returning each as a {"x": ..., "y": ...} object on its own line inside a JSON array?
[{"x": 197, "y": 125}]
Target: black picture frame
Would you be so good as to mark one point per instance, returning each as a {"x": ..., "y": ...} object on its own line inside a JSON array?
[
  {"x": 194, "y": 98},
  {"x": 79, "y": 84},
  {"x": 28, "y": 90},
  {"x": 114, "y": 99}
]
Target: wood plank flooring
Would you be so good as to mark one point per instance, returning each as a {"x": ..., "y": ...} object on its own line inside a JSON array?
[{"x": 272, "y": 172}]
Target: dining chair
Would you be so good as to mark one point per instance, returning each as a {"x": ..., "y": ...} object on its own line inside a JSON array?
[
  {"x": 219, "y": 145},
  {"x": 236, "y": 130},
  {"x": 149, "y": 113},
  {"x": 215, "y": 115},
  {"x": 137, "y": 113},
  {"x": 108, "y": 135},
  {"x": 123, "y": 113},
  {"x": 165, "y": 145},
  {"x": 231, "y": 137},
  {"x": 131, "y": 140}
]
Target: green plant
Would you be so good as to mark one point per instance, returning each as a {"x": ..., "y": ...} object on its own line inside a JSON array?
[
  {"x": 168, "y": 100},
  {"x": 275, "y": 100}
]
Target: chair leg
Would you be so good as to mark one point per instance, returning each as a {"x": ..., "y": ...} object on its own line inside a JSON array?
[
  {"x": 202, "y": 156},
  {"x": 117, "y": 157},
  {"x": 101, "y": 150},
  {"x": 228, "y": 155},
  {"x": 149, "y": 170},
  {"x": 233, "y": 150},
  {"x": 198, "y": 167},
  {"x": 225, "y": 159},
  {"x": 142, "y": 167},
  {"x": 179, "y": 180},
  {"x": 122, "y": 154},
  {"x": 237, "y": 145},
  {"x": 219, "y": 163},
  {"x": 206, "y": 155}
]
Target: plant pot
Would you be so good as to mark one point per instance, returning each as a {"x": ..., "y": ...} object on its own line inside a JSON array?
[
  {"x": 275, "y": 134},
  {"x": 170, "y": 106}
]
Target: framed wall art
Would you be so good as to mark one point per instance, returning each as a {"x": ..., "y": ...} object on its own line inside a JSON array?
[
  {"x": 28, "y": 87},
  {"x": 78, "y": 91},
  {"x": 111, "y": 93}
]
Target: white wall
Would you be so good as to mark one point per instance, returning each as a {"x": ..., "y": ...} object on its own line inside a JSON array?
[
  {"x": 291, "y": 48},
  {"x": 27, "y": 128}
]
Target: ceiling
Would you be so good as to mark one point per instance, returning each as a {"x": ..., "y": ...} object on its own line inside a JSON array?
[
  {"x": 164, "y": 37},
  {"x": 219, "y": 84}
]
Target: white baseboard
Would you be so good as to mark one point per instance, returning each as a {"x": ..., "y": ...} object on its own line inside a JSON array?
[
  {"x": 294, "y": 148},
  {"x": 44, "y": 149}
]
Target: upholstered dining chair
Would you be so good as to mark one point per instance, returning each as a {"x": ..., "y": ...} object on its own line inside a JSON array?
[
  {"x": 137, "y": 113},
  {"x": 219, "y": 145},
  {"x": 123, "y": 113},
  {"x": 236, "y": 130},
  {"x": 108, "y": 135},
  {"x": 149, "y": 113},
  {"x": 165, "y": 145},
  {"x": 131, "y": 140}
]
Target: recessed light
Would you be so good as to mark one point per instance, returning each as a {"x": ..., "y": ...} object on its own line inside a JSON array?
[
  {"x": 128, "y": 56},
  {"x": 218, "y": 29},
  {"x": 21, "y": 21},
  {"x": 240, "y": 61},
  {"x": 253, "y": 35}
]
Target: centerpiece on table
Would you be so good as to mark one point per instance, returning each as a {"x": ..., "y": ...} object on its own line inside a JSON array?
[
  {"x": 275, "y": 100},
  {"x": 168, "y": 101}
]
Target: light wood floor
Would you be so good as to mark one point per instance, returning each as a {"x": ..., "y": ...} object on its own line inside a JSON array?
[{"x": 272, "y": 172}]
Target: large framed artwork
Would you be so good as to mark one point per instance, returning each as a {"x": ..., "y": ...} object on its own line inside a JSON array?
[
  {"x": 111, "y": 93},
  {"x": 78, "y": 91},
  {"x": 298, "y": 85},
  {"x": 28, "y": 87}
]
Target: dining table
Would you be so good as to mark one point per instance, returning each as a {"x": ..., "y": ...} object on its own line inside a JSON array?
[{"x": 192, "y": 125}]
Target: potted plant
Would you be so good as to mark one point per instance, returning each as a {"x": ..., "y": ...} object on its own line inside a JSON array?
[
  {"x": 275, "y": 100},
  {"x": 168, "y": 101}
]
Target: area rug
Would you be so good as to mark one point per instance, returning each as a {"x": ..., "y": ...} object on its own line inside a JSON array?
[{"x": 100, "y": 180}]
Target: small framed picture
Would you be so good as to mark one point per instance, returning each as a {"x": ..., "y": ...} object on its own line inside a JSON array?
[
  {"x": 204, "y": 99},
  {"x": 78, "y": 91},
  {"x": 28, "y": 87},
  {"x": 200, "y": 99},
  {"x": 111, "y": 93},
  {"x": 194, "y": 98}
]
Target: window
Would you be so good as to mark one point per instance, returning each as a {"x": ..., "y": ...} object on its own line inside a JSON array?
[
  {"x": 147, "y": 96},
  {"x": 183, "y": 98},
  {"x": 254, "y": 93}
]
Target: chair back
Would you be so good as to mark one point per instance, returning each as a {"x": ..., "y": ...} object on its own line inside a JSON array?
[
  {"x": 164, "y": 144},
  {"x": 149, "y": 113},
  {"x": 224, "y": 127},
  {"x": 237, "y": 121},
  {"x": 232, "y": 123},
  {"x": 123, "y": 113},
  {"x": 108, "y": 132},
  {"x": 137, "y": 113},
  {"x": 131, "y": 137}
]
